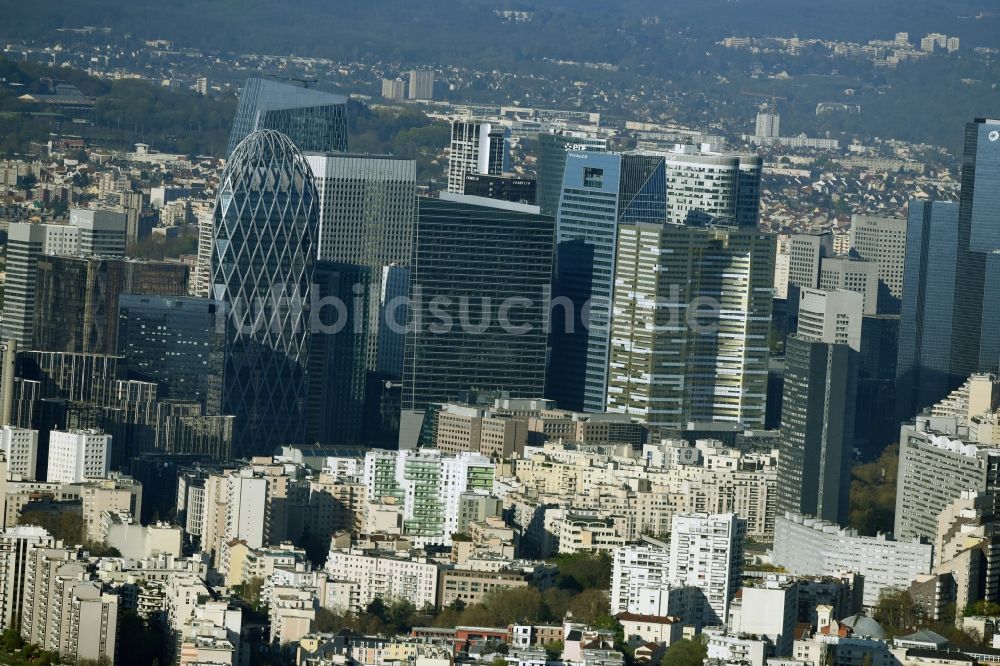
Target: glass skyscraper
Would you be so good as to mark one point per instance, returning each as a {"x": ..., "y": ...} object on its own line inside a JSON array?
[
  {"x": 176, "y": 342},
  {"x": 265, "y": 225},
  {"x": 923, "y": 364},
  {"x": 552, "y": 151},
  {"x": 599, "y": 191},
  {"x": 475, "y": 261},
  {"x": 314, "y": 120}
]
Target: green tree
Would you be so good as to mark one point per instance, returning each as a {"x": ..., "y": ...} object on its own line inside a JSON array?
[
  {"x": 686, "y": 652},
  {"x": 516, "y": 604},
  {"x": 982, "y": 608},
  {"x": 582, "y": 571},
  {"x": 590, "y": 605},
  {"x": 897, "y": 612}
]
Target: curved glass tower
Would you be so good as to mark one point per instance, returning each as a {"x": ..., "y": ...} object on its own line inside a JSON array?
[{"x": 266, "y": 219}]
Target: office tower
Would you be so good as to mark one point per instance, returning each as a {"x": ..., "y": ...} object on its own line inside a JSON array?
[
  {"x": 89, "y": 232},
  {"x": 476, "y": 147},
  {"x": 421, "y": 84},
  {"x": 875, "y": 420},
  {"x": 338, "y": 361},
  {"x": 707, "y": 187},
  {"x": 768, "y": 125},
  {"x": 818, "y": 406},
  {"x": 805, "y": 254},
  {"x": 266, "y": 220},
  {"x": 976, "y": 318},
  {"x": 923, "y": 367},
  {"x": 366, "y": 208},
  {"x": 16, "y": 546},
  {"x": 479, "y": 300},
  {"x": 854, "y": 275},
  {"x": 20, "y": 448},
  {"x": 70, "y": 376},
  {"x": 690, "y": 325},
  {"x": 882, "y": 240},
  {"x": 552, "y": 151},
  {"x": 504, "y": 187},
  {"x": 76, "y": 298},
  {"x": 393, "y": 89},
  {"x": 3, "y": 500},
  {"x": 77, "y": 455},
  {"x": 311, "y": 119},
  {"x": 600, "y": 191},
  {"x": 706, "y": 552},
  {"x": 177, "y": 342}
]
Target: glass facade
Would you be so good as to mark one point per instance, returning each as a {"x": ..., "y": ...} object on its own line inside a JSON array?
[
  {"x": 314, "y": 120},
  {"x": 266, "y": 220},
  {"x": 176, "y": 342},
  {"x": 469, "y": 260},
  {"x": 552, "y": 151}
]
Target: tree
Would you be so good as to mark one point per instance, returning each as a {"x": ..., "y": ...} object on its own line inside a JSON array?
[
  {"x": 982, "y": 608},
  {"x": 686, "y": 652},
  {"x": 516, "y": 604},
  {"x": 590, "y": 605},
  {"x": 897, "y": 612},
  {"x": 582, "y": 571}
]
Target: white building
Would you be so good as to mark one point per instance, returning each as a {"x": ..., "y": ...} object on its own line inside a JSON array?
[
  {"x": 476, "y": 148},
  {"x": 883, "y": 241},
  {"x": 77, "y": 455},
  {"x": 21, "y": 448},
  {"x": 854, "y": 275},
  {"x": 768, "y": 608},
  {"x": 706, "y": 185},
  {"x": 808, "y": 546},
  {"x": 385, "y": 576},
  {"x": 636, "y": 568},
  {"x": 247, "y": 509},
  {"x": 706, "y": 552},
  {"x": 16, "y": 544},
  {"x": 421, "y": 84},
  {"x": 833, "y": 317}
]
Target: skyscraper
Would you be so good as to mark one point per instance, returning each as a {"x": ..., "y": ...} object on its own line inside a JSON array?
[
  {"x": 393, "y": 89},
  {"x": 818, "y": 407},
  {"x": 89, "y": 232},
  {"x": 76, "y": 299},
  {"x": 708, "y": 187},
  {"x": 768, "y": 125},
  {"x": 421, "y": 84},
  {"x": 882, "y": 240},
  {"x": 312, "y": 119},
  {"x": 600, "y": 191},
  {"x": 923, "y": 366},
  {"x": 692, "y": 310},
  {"x": 706, "y": 552},
  {"x": 976, "y": 319},
  {"x": 177, "y": 342},
  {"x": 854, "y": 275},
  {"x": 476, "y": 147},
  {"x": 552, "y": 151},
  {"x": 479, "y": 300},
  {"x": 266, "y": 221}
]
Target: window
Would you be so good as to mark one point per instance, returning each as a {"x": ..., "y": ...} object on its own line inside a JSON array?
[{"x": 593, "y": 177}]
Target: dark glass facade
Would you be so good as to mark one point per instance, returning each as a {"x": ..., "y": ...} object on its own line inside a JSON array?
[
  {"x": 817, "y": 428},
  {"x": 176, "y": 342},
  {"x": 265, "y": 224},
  {"x": 314, "y": 120},
  {"x": 469, "y": 261},
  {"x": 504, "y": 188},
  {"x": 923, "y": 365}
]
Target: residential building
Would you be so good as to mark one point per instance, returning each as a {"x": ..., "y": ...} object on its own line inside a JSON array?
[
  {"x": 421, "y": 84},
  {"x": 393, "y": 89},
  {"x": 20, "y": 448},
  {"x": 385, "y": 576},
  {"x": 77, "y": 455},
  {"x": 16, "y": 546},
  {"x": 706, "y": 552}
]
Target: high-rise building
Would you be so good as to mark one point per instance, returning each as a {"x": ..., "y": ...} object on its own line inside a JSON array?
[
  {"x": 975, "y": 338},
  {"x": 552, "y": 151},
  {"x": 16, "y": 546},
  {"x": 505, "y": 187},
  {"x": 266, "y": 220},
  {"x": 854, "y": 275},
  {"x": 367, "y": 208},
  {"x": 89, "y": 232},
  {"x": 706, "y": 552},
  {"x": 177, "y": 342},
  {"x": 690, "y": 325},
  {"x": 479, "y": 300},
  {"x": 200, "y": 282},
  {"x": 312, "y": 119},
  {"x": 76, "y": 298},
  {"x": 818, "y": 407},
  {"x": 768, "y": 125},
  {"x": 708, "y": 187},
  {"x": 923, "y": 366},
  {"x": 20, "y": 448},
  {"x": 421, "y": 84},
  {"x": 882, "y": 240},
  {"x": 476, "y": 147},
  {"x": 600, "y": 191},
  {"x": 76, "y": 455},
  {"x": 393, "y": 89},
  {"x": 805, "y": 254}
]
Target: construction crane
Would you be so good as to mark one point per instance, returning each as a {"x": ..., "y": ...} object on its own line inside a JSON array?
[
  {"x": 765, "y": 96},
  {"x": 305, "y": 82}
]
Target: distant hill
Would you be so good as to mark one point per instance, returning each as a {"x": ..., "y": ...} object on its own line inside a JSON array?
[{"x": 456, "y": 30}]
